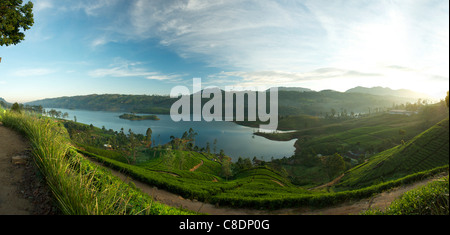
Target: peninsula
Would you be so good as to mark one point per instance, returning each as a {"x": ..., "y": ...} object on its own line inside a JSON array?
[{"x": 134, "y": 117}]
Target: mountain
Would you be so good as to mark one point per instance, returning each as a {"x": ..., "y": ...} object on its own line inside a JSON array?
[
  {"x": 426, "y": 151},
  {"x": 291, "y": 101},
  {"x": 297, "y": 89},
  {"x": 385, "y": 91},
  {"x": 3, "y": 102},
  {"x": 111, "y": 102},
  {"x": 318, "y": 103}
]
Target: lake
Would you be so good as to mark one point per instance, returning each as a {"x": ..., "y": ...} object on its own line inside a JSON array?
[{"x": 237, "y": 141}]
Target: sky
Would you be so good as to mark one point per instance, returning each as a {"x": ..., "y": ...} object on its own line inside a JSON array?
[{"x": 81, "y": 47}]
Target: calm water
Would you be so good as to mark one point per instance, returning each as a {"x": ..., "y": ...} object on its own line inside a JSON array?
[{"x": 235, "y": 140}]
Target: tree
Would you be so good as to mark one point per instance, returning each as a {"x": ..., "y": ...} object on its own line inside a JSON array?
[
  {"x": 333, "y": 113},
  {"x": 191, "y": 136},
  {"x": 14, "y": 18},
  {"x": 65, "y": 115},
  {"x": 243, "y": 164},
  {"x": 334, "y": 165},
  {"x": 15, "y": 107},
  {"x": 226, "y": 169},
  {"x": 222, "y": 154},
  {"x": 215, "y": 146},
  {"x": 133, "y": 144},
  {"x": 208, "y": 148},
  {"x": 446, "y": 99},
  {"x": 149, "y": 135},
  {"x": 185, "y": 135}
]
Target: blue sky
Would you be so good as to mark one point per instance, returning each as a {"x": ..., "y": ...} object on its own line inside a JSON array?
[{"x": 150, "y": 46}]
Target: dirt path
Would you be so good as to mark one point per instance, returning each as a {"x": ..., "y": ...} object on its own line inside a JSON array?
[
  {"x": 22, "y": 191},
  {"x": 11, "y": 175},
  {"x": 352, "y": 208},
  {"x": 335, "y": 181},
  {"x": 380, "y": 201},
  {"x": 196, "y": 167}
]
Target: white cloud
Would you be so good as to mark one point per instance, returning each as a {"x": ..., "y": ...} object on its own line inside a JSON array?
[
  {"x": 162, "y": 77},
  {"x": 282, "y": 42},
  {"x": 33, "y": 72},
  {"x": 294, "y": 36},
  {"x": 122, "y": 69},
  {"x": 283, "y": 78},
  {"x": 120, "y": 72},
  {"x": 235, "y": 34},
  {"x": 99, "y": 42},
  {"x": 42, "y": 5},
  {"x": 90, "y": 8}
]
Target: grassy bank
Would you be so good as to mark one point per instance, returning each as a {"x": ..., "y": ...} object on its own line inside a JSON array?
[
  {"x": 431, "y": 199},
  {"x": 316, "y": 200},
  {"x": 80, "y": 187},
  {"x": 256, "y": 188},
  {"x": 425, "y": 151}
]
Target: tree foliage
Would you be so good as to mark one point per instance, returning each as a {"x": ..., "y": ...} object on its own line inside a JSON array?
[
  {"x": 446, "y": 99},
  {"x": 16, "y": 108},
  {"x": 14, "y": 18},
  {"x": 334, "y": 165}
]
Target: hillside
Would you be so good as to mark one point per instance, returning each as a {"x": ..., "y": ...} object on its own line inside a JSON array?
[
  {"x": 111, "y": 102},
  {"x": 426, "y": 151},
  {"x": 297, "y": 89},
  {"x": 323, "y": 102},
  {"x": 385, "y": 91},
  {"x": 3, "y": 102},
  {"x": 290, "y": 102},
  {"x": 194, "y": 175}
]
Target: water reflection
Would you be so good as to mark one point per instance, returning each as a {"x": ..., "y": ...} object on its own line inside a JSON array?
[{"x": 237, "y": 141}]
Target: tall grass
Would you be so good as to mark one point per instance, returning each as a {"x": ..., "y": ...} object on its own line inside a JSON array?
[
  {"x": 431, "y": 199},
  {"x": 2, "y": 112},
  {"x": 80, "y": 187}
]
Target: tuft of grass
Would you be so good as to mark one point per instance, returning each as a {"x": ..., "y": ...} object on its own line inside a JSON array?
[
  {"x": 80, "y": 187},
  {"x": 431, "y": 199}
]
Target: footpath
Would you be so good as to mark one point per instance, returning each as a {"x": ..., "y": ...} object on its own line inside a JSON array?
[{"x": 22, "y": 189}]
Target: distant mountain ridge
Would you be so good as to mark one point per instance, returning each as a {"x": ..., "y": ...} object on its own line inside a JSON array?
[
  {"x": 291, "y": 101},
  {"x": 111, "y": 102},
  {"x": 298, "y": 89},
  {"x": 385, "y": 91},
  {"x": 4, "y": 101}
]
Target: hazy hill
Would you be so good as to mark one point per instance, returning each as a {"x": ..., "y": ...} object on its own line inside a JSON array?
[
  {"x": 426, "y": 151},
  {"x": 322, "y": 102},
  {"x": 385, "y": 91},
  {"x": 290, "y": 102},
  {"x": 3, "y": 102},
  {"x": 298, "y": 89},
  {"x": 111, "y": 102}
]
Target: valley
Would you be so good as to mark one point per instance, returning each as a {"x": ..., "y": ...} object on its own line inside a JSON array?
[{"x": 338, "y": 159}]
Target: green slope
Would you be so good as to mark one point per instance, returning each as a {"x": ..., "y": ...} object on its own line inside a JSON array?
[
  {"x": 290, "y": 102},
  {"x": 426, "y": 151}
]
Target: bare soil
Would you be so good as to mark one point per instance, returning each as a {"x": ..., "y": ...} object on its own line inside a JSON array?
[
  {"x": 22, "y": 189},
  {"x": 197, "y": 166},
  {"x": 379, "y": 201}
]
